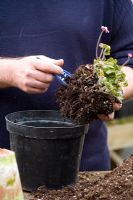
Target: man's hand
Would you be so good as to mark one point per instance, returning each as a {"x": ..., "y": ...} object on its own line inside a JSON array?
[
  {"x": 127, "y": 93},
  {"x": 116, "y": 107},
  {"x": 32, "y": 74}
]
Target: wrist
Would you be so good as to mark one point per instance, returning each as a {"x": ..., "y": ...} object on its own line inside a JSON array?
[
  {"x": 6, "y": 72},
  {"x": 128, "y": 90}
]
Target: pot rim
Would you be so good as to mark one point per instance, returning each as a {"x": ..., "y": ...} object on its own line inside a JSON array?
[{"x": 65, "y": 120}]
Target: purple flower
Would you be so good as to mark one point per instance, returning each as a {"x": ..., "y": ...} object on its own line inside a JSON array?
[
  {"x": 104, "y": 29},
  {"x": 130, "y": 55}
]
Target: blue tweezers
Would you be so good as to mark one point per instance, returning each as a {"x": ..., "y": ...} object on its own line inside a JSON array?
[{"x": 61, "y": 77}]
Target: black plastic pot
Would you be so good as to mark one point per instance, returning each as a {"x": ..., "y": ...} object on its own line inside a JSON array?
[{"x": 48, "y": 148}]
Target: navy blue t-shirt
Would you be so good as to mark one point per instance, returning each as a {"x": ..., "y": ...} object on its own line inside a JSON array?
[{"x": 68, "y": 30}]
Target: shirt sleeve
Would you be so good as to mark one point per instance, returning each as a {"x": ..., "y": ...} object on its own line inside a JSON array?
[{"x": 122, "y": 32}]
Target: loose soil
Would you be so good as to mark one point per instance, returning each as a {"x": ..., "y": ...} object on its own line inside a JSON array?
[
  {"x": 117, "y": 184},
  {"x": 83, "y": 99}
]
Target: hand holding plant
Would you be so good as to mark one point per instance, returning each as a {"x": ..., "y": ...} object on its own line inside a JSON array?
[{"x": 95, "y": 90}]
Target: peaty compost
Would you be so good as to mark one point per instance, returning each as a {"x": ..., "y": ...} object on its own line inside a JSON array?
[{"x": 117, "y": 184}]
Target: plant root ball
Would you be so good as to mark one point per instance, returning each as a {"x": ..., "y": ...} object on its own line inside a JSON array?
[{"x": 83, "y": 98}]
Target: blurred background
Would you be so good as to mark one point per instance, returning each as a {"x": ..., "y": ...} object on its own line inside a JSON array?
[{"x": 120, "y": 134}]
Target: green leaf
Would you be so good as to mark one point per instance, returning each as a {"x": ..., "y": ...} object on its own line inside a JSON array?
[{"x": 111, "y": 77}]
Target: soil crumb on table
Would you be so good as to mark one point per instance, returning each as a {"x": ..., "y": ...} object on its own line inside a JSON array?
[{"x": 117, "y": 184}]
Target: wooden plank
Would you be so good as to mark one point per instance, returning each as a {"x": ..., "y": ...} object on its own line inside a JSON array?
[
  {"x": 116, "y": 158},
  {"x": 120, "y": 136}
]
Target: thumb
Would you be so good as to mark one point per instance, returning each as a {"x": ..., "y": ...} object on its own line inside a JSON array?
[{"x": 117, "y": 106}]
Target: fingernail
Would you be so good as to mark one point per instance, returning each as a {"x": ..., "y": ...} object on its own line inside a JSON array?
[
  {"x": 61, "y": 72},
  {"x": 61, "y": 60}
]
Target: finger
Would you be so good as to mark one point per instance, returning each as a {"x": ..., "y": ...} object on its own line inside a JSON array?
[
  {"x": 106, "y": 117},
  {"x": 103, "y": 117},
  {"x": 47, "y": 67},
  {"x": 42, "y": 77},
  {"x": 117, "y": 106},
  {"x": 111, "y": 116},
  {"x": 37, "y": 84},
  {"x": 36, "y": 91},
  {"x": 59, "y": 62}
]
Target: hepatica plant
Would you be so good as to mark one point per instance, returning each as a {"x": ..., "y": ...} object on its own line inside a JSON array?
[
  {"x": 110, "y": 76},
  {"x": 93, "y": 88}
]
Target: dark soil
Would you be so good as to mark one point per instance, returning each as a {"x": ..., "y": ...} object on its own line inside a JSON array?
[
  {"x": 117, "y": 184},
  {"x": 82, "y": 99}
]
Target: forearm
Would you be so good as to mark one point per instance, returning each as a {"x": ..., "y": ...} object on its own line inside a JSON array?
[
  {"x": 128, "y": 91},
  {"x": 6, "y": 67}
]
